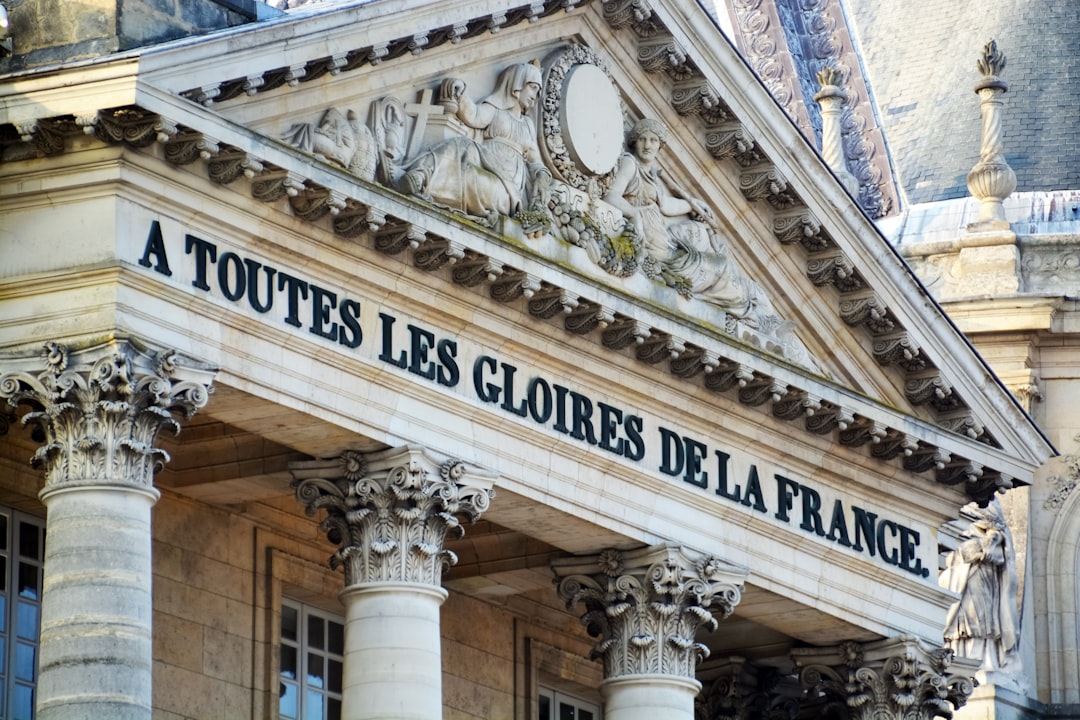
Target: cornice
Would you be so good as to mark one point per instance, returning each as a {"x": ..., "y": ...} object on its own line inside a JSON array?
[{"x": 955, "y": 449}]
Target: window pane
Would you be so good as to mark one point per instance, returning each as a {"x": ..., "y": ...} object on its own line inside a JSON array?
[
  {"x": 288, "y": 623},
  {"x": 333, "y": 709},
  {"x": 545, "y": 708},
  {"x": 315, "y": 673},
  {"x": 3, "y": 614},
  {"x": 288, "y": 662},
  {"x": 315, "y": 632},
  {"x": 3, "y": 534},
  {"x": 27, "y": 622},
  {"x": 3, "y": 661},
  {"x": 287, "y": 702},
  {"x": 584, "y": 714},
  {"x": 28, "y": 540},
  {"x": 3, "y": 573},
  {"x": 566, "y": 711},
  {"x": 333, "y": 677},
  {"x": 337, "y": 638},
  {"x": 28, "y": 581},
  {"x": 24, "y": 661},
  {"x": 22, "y": 703},
  {"x": 313, "y": 706}
]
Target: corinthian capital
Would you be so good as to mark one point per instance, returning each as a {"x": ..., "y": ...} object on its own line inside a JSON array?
[
  {"x": 99, "y": 409},
  {"x": 389, "y": 512},
  {"x": 646, "y": 605},
  {"x": 899, "y": 677}
]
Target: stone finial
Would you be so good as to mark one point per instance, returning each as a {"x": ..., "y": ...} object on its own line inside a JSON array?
[
  {"x": 100, "y": 409},
  {"x": 832, "y": 98},
  {"x": 646, "y": 605},
  {"x": 991, "y": 180},
  {"x": 390, "y": 511},
  {"x": 991, "y": 62},
  {"x": 900, "y": 677}
]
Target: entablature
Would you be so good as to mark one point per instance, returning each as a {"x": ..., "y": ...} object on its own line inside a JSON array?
[{"x": 743, "y": 363}]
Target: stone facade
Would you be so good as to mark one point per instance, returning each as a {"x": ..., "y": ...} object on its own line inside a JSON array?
[{"x": 585, "y": 308}]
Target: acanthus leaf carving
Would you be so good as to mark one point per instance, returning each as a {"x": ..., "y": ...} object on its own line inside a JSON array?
[
  {"x": 645, "y": 606},
  {"x": 891, "y": 678},
  {"x": 100, "y": 410},
  {"x": 390, "y": 512}
]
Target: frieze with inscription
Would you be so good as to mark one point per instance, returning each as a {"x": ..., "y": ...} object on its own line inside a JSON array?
[{"x": 706, "y": 465}]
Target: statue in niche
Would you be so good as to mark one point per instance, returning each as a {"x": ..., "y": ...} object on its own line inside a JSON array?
[
  {"x": 340, "y": 139},
  {"x": 501, "y": 172},
  {"x": 677, "y": 233},
  {"x": 984, "y": 624}
]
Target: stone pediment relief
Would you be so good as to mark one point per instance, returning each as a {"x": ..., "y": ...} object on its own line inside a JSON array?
[
  {"x": 227, "y": 116},
  {"x": 550, "y": 154}
]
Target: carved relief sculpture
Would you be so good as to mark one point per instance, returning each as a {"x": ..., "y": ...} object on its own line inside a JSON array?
[
  {"x": 984, "y": 624},
  {"x": 677, "y": 232},
  {"x": 499, "y": 174},
  {"x": 338, "y": 138},
  {"x": 573, "y": 182}
]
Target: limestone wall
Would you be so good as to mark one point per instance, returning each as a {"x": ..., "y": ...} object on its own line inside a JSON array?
[{"x": 219, "y": 577}]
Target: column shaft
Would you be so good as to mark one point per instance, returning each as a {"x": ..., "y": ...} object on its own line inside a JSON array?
[
  {"x": 393, "y": 656},
  {"x": 96, "y": 651},
  {"x": 389, "y": 513},
  {"x": 647, "y": 697},
  {"x": 99, "y": 411}
]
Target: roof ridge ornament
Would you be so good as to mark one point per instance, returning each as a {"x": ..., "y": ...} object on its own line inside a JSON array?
[
  {"x": 832, "y": 99},
  {"x": 991, "y": 180}
]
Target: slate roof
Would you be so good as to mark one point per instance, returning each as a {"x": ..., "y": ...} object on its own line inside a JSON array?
[{"x": 920, "y": 57}]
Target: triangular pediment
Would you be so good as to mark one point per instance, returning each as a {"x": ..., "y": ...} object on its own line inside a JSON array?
[{"x": 734, "y": 259}]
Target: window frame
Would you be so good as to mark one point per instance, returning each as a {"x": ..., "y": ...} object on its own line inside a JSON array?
[
  {"x": 303, "y": 648},
  {"x": 12, "y": 600},
  {"x": 557, "y": 697}
]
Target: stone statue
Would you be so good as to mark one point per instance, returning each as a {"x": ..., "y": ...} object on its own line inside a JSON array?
[
  {"x": 677, "y": 232},
  {"x": 984, "y": 624},
  {"x": 501, "y": 172},
  {"x": 338, "y": 138}
]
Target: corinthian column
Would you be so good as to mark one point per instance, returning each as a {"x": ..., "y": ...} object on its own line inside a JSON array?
[
  {"x": 898, "y": 678},
  {"x": 991, "y": 180},
  {"x": 646, "y": 606},
  {"x": 389, "y": 513},
  {"x": 100, "y": 410}
]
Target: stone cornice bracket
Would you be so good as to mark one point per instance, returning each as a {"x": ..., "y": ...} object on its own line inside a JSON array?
[
  {"x": 646, "y": 605},
  {"x": 991, "y": 180},
  {"x": 100, "y": 408},
  {"x": 133, "y": 126},
  {"x": 390, "y": 511},
  {"x": 899, "y": 677},
  {"x": 831, "y": 98}
]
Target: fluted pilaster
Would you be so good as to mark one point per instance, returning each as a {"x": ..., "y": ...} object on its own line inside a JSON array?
[
  {"x": 99, "y": 410},
  {"x": 898, "y": 678},
  {"x": 991, "y": 180}
]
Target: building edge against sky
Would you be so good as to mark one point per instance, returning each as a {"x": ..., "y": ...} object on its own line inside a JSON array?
[{"x": 462, "y": 362}]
